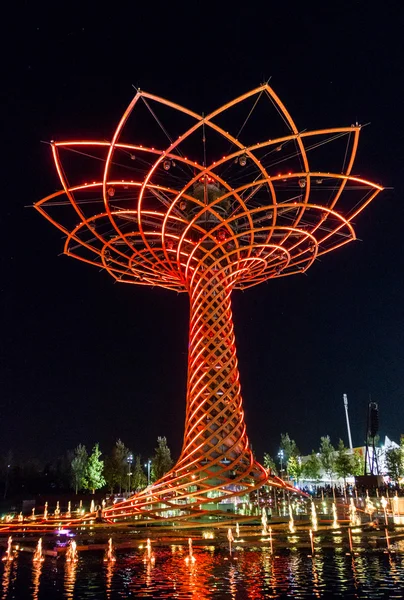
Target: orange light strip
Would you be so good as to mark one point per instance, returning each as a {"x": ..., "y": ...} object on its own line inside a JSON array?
[{"x": 195, "y": 244}]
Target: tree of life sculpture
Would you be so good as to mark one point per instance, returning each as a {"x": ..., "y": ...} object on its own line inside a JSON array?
[{"x": 206, "y": 213}]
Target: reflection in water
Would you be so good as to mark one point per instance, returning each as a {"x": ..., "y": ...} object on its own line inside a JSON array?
[
  {"x": 109, "y": 572},
  {"x": 36, "y": 577},
  {"x": 70, "y": 579},
  {"x": 7, "y": 577},
  {"x": 249, "y": 574},
  {"x": 316, "y": 581}
]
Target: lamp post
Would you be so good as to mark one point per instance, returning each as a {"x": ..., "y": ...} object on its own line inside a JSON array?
[
  {"x": 148, "y": 465},
  {"x": 130, "y": 461},
  {"x": 280, "y": 454}
]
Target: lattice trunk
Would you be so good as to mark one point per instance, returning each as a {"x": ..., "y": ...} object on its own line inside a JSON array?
[
  {"x": 214, "y": 426},
  {"x": 216, "y": 461}
]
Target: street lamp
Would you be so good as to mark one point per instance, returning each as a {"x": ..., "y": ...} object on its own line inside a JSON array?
[
  {"x": 148, "y": 465},
  {"x": 130, "y": 461},
  {"x": 280, "y": 454}
]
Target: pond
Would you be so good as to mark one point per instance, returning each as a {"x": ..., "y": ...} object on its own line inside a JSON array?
[{"x": 247, "y": 574}]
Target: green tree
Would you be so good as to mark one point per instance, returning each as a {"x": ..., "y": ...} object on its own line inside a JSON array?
[
  {"x": 394, "y": 463},
  {"x": 294, "y": 468},
  {"x": 269, "y": 463},
  {"x": 95, "y": 467},
  {"x": 110, "y": 473},
  {"x": 358, "y": 464},
  {"x": 139, "y": 479},
  {"x": 288, "y": 446},
  {"x": 343, "y": 462},
  {"x": 162, "y": 461},
  {"x": 312, "y": 467},
  {"x": 116, "y": 467},
  {"x": 327, "y": 456},
  {"x": 79, "y": 468}
]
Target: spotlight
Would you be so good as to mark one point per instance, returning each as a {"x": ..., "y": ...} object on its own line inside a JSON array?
[
  {"x": 167, "y": 165},
  {"x": 132, "y": 157},
  {"x": 111, "y": 192},
  {"x": 302, "y": 183},
  {"x": 242, "y": 161},
  {"x": 183, "y": 205}
]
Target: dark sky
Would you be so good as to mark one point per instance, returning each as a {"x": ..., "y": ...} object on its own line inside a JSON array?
[{"x": 84, "y": 360}]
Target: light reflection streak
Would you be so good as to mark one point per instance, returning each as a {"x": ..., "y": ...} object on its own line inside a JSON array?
[
  {"x": 109, "y": 572},
  {"x": 70, "y": 579},
  {"x": 315, "y": 578},
  {"x": 36, "y": 577},
  {"x": 9, "y": 568}
]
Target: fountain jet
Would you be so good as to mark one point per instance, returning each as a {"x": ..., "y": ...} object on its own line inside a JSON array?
[
  {"x": 9, "y": 552},
  {"x": 71, "y": 552},
  {"x": 38, "y": 555},
  {"x": 190, "y": 558}
]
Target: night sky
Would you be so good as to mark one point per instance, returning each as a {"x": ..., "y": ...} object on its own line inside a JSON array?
[{"x": 85, "y": 360}]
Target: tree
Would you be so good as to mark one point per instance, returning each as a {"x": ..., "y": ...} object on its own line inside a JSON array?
[
  {"x": 394, "y": 463},
  {"x": 95, "y": 467},
  {"x": 116, "y": 466},
  {"x": 358, "y": 464},
  {"x": 288, "y": 446},
  {"x": 110, "y": 473},
  {"x": 312, "y": 467},
  {"x": 79, "y": 468},
  {"x": 162, "y": 462},
  {"x": 294, "y": 468},
  {"x": 139, "y": 479},
  {"x": 269, "y": 463},
  {"x": 343, "y": 462},
  {"x": 327, "y": 456}
]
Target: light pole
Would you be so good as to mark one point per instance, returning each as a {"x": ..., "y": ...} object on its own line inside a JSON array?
[
  {"x": 280, "y": 454},
  {"x": 130, "y": 461},
  {"x": 148, "y": 465}
]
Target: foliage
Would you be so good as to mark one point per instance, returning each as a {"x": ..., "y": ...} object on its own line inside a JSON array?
[
  {"x": 109, "y": 473},
  {"x": 288, "y": 446},
  {"x": 294, "y": 468},
  {"x": 79, "y": 468},
  {"x": 162, "y": 461},
  {"x": 327, "y": 456},
  {"x": 312, "y": 467},
  {"x": 95, "y": 467},
  {"x": 395, "y": 463},
  {"x": 116, "y": 467},
  {"x": 358, "y": 464},
  {"x": 343, "y": 462},
  {"x": 139, "y": 479},
  {"x": 269, "y": 463}
]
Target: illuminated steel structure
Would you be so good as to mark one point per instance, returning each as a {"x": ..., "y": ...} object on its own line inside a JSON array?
[{"x": 206, "y": 228}]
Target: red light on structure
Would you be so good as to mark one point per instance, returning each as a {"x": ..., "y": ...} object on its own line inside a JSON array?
[{"x": 220, "y": 245}]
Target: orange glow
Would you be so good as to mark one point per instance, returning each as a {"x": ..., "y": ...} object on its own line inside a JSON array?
[{"x": 164, "y": 231}]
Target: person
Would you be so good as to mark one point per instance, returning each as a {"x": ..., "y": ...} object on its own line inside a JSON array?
[{"x": 98, "y": 510}]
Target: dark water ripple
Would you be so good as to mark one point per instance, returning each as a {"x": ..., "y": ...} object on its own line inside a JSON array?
[{"x": 248, "y": 574}]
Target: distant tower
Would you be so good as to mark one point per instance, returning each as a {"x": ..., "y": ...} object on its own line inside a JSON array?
[{"x": 347, "y": 422}]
